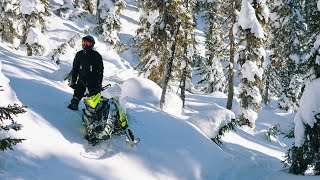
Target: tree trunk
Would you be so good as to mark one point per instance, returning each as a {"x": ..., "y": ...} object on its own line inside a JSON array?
[
  {"x": 232, "y": 53},
  {"x": 169, "y": 68},
  {"x": 183, "y": 85},
  {"x": 266, "y": 89},
  {"x": 185, "y": 69}
]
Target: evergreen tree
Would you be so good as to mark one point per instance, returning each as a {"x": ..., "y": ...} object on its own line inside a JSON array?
[
  {"x": 155, "y": 37},
  {"x": 23, "y": 23},
  {"x": 211, "y": 69},
  {"x": 169, "y": 63},
  {"x": 305, "y": 153},
  {"x": 253, "y": 18},
  {"x": 11, "y": 29},
  {"x": 86, "y": 5},
  {"x": 312, "y": 14},
  {"x": 187, "y": 44},
  {"x": 7, "y": 123},
  {"x": 231, "y": 8},
  {"x": 109, "y": 20},
  {"x": 287, "y": 43}
]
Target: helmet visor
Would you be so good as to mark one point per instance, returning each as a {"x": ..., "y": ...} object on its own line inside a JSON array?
[{"x": 86, "y": 43}]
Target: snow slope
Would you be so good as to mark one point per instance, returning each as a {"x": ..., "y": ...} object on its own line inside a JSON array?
[{"x": 170, "y": 147}]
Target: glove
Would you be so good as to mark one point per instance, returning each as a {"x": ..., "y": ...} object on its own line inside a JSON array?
[{"x": 73, "y": 85}]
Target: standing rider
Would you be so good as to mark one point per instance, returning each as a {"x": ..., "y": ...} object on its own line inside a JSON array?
[{"x": 87, "y": 72}]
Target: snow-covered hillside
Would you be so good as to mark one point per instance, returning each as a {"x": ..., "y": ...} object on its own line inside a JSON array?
[{"x": 172, "y": 146}]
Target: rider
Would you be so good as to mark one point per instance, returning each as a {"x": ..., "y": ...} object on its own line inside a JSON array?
[{"x": 87, "y": 72}]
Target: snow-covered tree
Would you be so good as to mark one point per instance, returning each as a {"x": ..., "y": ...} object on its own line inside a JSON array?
[
  {"x": 155, "y": 37},
  {"x": 305, "y": 154},
  {"x": 22, "y": 22},
  {"x": 108, "y": 16},
  {"x": 212, "y": 71},
  {"x": 151, "y": 40},
  {"x": 33, "y": 12},
  {"x": 252, "y": 19},
  {"x": 11, "y": 26},
  {"x": 231, "y": 11},
  {"x": 87, "y": 5},
  {"x": 187, "y": 45},
  {"x": 312, "y": 14},
  {"x": 7, "y": 123},
  {"x": 288, "y": 31}
]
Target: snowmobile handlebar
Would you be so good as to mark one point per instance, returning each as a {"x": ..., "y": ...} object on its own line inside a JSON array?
[
  {"x": 101, "y": 89},
  {"x": 105, "y": 87}
]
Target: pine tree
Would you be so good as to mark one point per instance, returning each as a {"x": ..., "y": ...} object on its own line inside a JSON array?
[
  {"x": 305, "y": 155},
  {"x": 34, "y": 24},
  {"x": 87, "y": 5},
  {"x": 7, "y": 123},
  {"x": 109, "y": 20},
  {"x": 230, "y": 9},
  {"x": 312, "y": 14},
  {"x": 11, "y": 29},
  {"x": 187, "y": 44},
  {"x": 253, "y": 19},
  {"x": 212, "y": 70},
  {"x": 22, "y": 22},
  {"x": 155, "y": 37},
  {"x": 169, "y": 64},
  {"x": 287, "y": 43},
  {"x": 152, "y": 38}
]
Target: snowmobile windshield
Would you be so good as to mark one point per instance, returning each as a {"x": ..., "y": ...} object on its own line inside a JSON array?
[{"x": 94, "y": 100}]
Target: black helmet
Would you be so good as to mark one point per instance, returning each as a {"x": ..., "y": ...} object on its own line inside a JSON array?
[{"x": 87, "y": 46}]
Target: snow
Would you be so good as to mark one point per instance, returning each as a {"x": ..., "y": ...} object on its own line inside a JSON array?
[
  {"x": 175, "y": 143},
  {"x": 248, "y": 20},
  {"x": 210, "y": 122},
  {"x": 36, "y": 37},
  {"x": 145, "y": 90},
  {"x": 30, "y": 6},
  {"x": 295, "y": 57},
  {"x": 250, "y": 70},
  {"x": 318, "y": 5},
  {"x": 308, "y": 109}
]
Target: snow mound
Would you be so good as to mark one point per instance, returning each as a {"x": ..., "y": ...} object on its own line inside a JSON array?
[
  {"x": 209, "y": 122},
  {"x": 148, "y": 92},
  {"x": 7, "y": 95}
]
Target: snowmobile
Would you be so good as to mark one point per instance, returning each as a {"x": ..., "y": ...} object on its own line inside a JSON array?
[{"x": 103, "y": 117}]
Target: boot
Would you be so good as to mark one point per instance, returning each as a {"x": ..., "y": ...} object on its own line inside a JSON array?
[{"x": 74, "y": 104}]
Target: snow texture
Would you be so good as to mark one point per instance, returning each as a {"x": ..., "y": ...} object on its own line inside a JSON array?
[
  {"x": 30, "y": 6},
  {"x": 149, "y": 92},
  {"x": 210, "y": 122},
  {"x": 249, "y": 70},
  {"x": 309, "y": 107},
  {"x": 36, "y": 37},
  {"x": 248, "y": 20}
]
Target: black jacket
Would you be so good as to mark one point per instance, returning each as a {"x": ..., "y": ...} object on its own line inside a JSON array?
[{"x": 88, "y": 68}]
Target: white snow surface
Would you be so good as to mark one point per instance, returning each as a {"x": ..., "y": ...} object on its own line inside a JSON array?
[
  {"x": 210, "y": 122},
  {"x": 30, "y": 6},
  {"x": 171, "y": 148},
  {"x": 308, "y": 109},
  {"x": 248, "y": 20},
  {"x": 250, "y": 69},
  {"x": 35, "y": 36}
]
